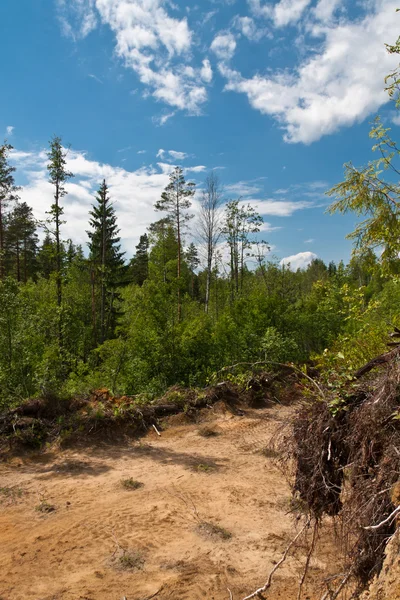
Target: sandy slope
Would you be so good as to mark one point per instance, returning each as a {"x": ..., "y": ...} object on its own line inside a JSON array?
[{"x": 72, "y": 553}]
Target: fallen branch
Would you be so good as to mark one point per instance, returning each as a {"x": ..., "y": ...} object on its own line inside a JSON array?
[
  {"x": 258, "y": 593},
  {"x": 333, "y": 595},
  {"x": 156, "y": 430},
  {"x": 389, "y": 518},
  {"x": 275, "y": 364},
  {"x": 309, "y": 555},
  {"x": 230, "y": 594},
  {"x": 379, "y": 360}
]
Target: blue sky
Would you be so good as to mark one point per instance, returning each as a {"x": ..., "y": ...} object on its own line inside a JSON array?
[{"x": 276, "y": 94}]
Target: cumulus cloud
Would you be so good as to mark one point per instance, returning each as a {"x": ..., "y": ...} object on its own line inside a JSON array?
[
  {"x": 133, "y": 193},
  {"x": 175, "y": 155},
  {"x": 283, "y": 13},
  {"x": 280, "y": 208},
  {"x": 206, "y": 72},
  {"x": 325, "y": 9},
  {"x": 299, "y": 261},
  {"x": 10, "y": 130},
  {"x": 224, "y": 46},
  {"x": 337, "y": 86},
  {"x": 249, "y": 28},
  {"x": 152, "y": 43}
]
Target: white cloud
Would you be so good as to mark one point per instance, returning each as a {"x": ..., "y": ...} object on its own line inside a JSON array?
[
  {"x": 92, "y": 76},
  {"x": 325, "y": 9},
  {"x": 177, "y": 155},
  {"x": 224, "y": 46},
  {"x": 206, "y": 72},
  {"x": 243, "y": 188},
  {"x": 248, "y": 27},
  {"x": 133, "y": 193},
  {"x": 310, "y": 241},
  {"x": 196, "y": 169},
  {"x": 77, "y": 18},
  {"x": 299, "y": 261},
  {"x": 10, "y": 130},
  {"x": 163, "y": 119},
  {"x": 150, "y": 42},
  {"x": 141, "y": 151},
  {"x": 160, "y": 153},
  {"x": 283, "y": 13},
  {"x": 279, "y": 208},
  {"x": 337, "y": 86}
]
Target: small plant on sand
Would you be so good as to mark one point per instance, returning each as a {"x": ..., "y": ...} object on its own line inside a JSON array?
[
  {"x": 213, "y": 530},
  {"x": 131, "y": 484},
  {"x": 207, "y": 432},
  {"x": 45, "y": 507},
  {"x": 130, "y": 560},
  {"x": 205, "y": 468},
  {"x": 10, "y": 494},
  {"x": 269, "y": 452}
]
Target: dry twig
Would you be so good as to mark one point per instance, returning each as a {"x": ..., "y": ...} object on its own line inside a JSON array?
[
  {"x": 309, "y": 555},
  {"x": 332, "y": 595},
  {"x": 258, "y": 593}
]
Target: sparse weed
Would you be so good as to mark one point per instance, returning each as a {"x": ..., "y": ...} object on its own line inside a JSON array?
[
  {"x": 213, "y": 530},
  {"x": 130, "y": 560},
  {"x": 45, "y": 507},
  {"x": 10, "y": 494},
  {"x": 205, "y": 468},
  {"x": 269, "y": 452},
  {"x": 207, "y": 432},
  {"x": 131, "y": 484}
]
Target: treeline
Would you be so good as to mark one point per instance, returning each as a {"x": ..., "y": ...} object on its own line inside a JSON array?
[{"x": 174, "y": 313}]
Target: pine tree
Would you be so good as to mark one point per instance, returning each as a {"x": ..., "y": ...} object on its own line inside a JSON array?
[
  {"x": 21, "y": 242},
  {"x": 176, "y": 200},
  {"x": 140, "y": 262},
  {"x": 8, "y": 193},
  {"x": 58, "y": 176},
  {"x": 106, "y": 259}
]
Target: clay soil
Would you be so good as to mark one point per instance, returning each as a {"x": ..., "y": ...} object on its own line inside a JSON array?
[{"x": 213, "y": 513}]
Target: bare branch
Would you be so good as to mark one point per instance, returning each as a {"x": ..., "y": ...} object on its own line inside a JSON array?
[{"x": 258, "y": 593}]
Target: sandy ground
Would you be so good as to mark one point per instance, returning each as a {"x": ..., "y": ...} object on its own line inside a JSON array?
[{"x": 74, "y": 552}]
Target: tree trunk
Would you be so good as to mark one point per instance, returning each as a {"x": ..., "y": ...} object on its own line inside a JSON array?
[
  {"x": 208, "y": 279},
  {"x": 94, "y": 324},
  {"x": 25, "y": 261},
  {"x": 18, "y": 262},
  {"x": 179, "y": 257},
  {"x": 1, "y": 241},
  {"x": 103, "y": 266}
]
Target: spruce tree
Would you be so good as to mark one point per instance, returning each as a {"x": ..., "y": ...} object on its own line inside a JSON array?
[
  {"x": 106, "y": 260},
  {"x": 176, "y": 200},
  {"x": 21, "y": 243},
  {"x": 8, "y": 193},
  {"x": 140, "y": 262}
]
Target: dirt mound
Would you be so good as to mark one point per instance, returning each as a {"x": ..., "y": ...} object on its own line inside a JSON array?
[
  {"x": 387, "y": 585},
  {"x": 43, "y": 420}
]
